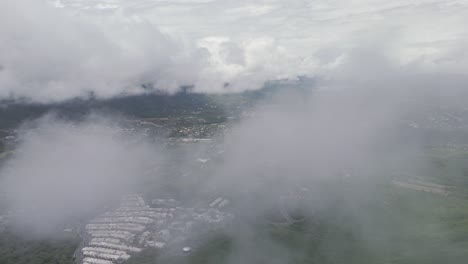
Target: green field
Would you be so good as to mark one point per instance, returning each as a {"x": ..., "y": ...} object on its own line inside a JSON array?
[{"x": 396, "y": 226}]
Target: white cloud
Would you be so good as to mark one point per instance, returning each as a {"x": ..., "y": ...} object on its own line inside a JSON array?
[
  {"x": 69, "y": 48},
  {"x": 62, "y": 170}
]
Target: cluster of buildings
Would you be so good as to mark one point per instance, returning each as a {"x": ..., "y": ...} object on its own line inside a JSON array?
[
  {"x": 116, "y": 235},
  {"x": 109, "y": 238}
]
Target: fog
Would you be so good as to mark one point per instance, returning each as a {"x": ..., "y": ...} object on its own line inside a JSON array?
[
  {"x": 62, "y": 172},
  {"x": 340, "y": 149},
  {"x": 335, "y": 142}
]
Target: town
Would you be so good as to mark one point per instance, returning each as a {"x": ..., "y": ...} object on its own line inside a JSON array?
[{"x": 115, "y": 236}]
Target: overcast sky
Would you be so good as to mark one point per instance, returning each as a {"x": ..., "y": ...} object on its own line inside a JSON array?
[{"x": 60, "y": 49}]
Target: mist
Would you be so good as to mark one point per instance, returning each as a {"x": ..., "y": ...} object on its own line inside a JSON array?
[
  {"x": 63, "y": 171},
  {"x": 336, "y": 147}
]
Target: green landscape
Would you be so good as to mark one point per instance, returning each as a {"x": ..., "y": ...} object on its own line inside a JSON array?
[{"x": 396, "y": 217}]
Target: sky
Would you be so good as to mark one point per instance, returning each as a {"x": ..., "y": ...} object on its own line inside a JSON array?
[{"x": 62, "y": 49}]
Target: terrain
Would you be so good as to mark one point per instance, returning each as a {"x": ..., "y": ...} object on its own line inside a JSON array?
[{"x": 402, "y": 217}]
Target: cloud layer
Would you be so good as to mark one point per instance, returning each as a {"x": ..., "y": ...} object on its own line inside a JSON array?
[{"x": 57, "y": 50}]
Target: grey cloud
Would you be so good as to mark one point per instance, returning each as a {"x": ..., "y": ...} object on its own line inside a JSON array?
[
  {"x": 78, "y": 48},
  {"x": 62, "y": 171}
]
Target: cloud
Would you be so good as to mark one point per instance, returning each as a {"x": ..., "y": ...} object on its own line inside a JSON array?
[
  {"x": 63, "y": 171},
  {"x": 66, "y": 49},
  {"x": 54, "y": 56},
  {"x": 337, "y": 143}
]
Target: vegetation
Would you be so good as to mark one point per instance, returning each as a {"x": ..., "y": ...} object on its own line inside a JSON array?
[
  {"x": 401, "y": 227},
  {"x": 386, "y": 224},
  {"x": 215, "y": 250},
  {"x": 19, "y": 249},
  {"x": 396, "y": 226}
]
